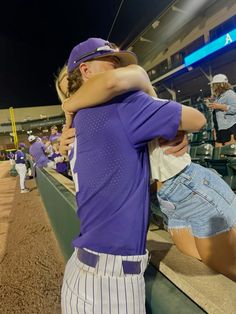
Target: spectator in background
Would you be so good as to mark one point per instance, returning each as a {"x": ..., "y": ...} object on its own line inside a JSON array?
[
  {"x": 20, "y": 166},
  {"x": 11, "y": 157},
  {"x": 37, "y": 151},
  {"x": 224, "y": 106},
  {"x": 54, "y": 134},
  {"x": 61, "y": 164},
  {"x": 48, "y": 146}
]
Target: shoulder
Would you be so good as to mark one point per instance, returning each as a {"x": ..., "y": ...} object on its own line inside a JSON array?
[
  {"x": 229, "y": 94},
  {"x": 141, "y": 98},
  {"x": 136, "y": 96}
]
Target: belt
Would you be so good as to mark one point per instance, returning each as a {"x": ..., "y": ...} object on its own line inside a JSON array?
[{"x": 91, "y": 259}]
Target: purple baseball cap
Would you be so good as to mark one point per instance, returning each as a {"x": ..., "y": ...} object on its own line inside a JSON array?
[
  {"x": 22, "y": 145},
  {"x": 95, "y": 48}
]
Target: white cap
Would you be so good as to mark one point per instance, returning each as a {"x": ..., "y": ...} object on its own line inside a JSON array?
[
  {"x": 219, "y": 78},
  {"x": 31, "y": 138}
]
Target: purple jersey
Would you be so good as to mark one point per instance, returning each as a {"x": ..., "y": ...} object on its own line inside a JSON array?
[
  {"x": 61, "y": 167},
  {"x": 37, "y": 150},
  {"x": 111, "y": 167},
  {"x": 54, "y": 137},
  {"x": 19, "y": 157}
]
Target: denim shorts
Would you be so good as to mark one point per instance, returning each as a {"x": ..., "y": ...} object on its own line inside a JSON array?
[{"x": 200, "y": 200}]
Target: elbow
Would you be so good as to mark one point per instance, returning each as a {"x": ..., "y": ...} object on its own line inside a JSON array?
[
  {"x": 201, "y": 122},
  {"x": 192, "y": 120}
]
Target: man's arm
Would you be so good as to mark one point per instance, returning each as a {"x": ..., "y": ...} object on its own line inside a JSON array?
[{"x": 191, "y": 120}]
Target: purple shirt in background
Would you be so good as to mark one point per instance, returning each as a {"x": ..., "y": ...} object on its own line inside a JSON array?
[
  {"x": 37, "y": 150},
  {"x": 61, "y": 167},
  {"x": 54, "y": 137},
  {"x": 19, "y": 157},
  {"x": 112, "y": 169}
]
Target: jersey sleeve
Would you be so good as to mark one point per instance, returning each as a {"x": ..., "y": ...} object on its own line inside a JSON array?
[{"x": 144, "y": 118}]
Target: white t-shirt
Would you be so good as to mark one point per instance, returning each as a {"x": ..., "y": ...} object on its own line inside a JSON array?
[{"x": 164, "y": 167}]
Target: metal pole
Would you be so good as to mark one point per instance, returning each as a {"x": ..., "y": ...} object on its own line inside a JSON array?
[{"x": 13, "y": 126}]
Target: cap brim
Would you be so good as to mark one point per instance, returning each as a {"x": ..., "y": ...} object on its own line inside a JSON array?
[{"x": 125, "y": 57}]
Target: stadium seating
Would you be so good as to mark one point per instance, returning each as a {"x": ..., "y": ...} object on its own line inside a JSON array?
[
  {"x": 200, "y": 154},
  {"x": 224, "y": 162},
  {"x": 205, "y": 136}
]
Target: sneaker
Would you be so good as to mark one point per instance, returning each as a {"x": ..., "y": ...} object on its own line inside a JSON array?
[{"x": 25, "y": 191}]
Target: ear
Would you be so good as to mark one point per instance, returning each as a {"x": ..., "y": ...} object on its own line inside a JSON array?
[{"x": 85, "y": 70}]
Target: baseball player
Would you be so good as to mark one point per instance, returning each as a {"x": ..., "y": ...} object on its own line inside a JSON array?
[
  {"x": 20, "y": 167},
  {"x": 37, "y": 151},
  {"x": 111, "y": 171}
]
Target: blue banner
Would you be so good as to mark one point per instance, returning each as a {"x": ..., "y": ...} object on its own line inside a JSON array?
[{"x": 210, "y": 48}]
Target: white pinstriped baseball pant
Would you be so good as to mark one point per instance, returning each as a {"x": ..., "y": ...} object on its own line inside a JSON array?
[
  {"x": 104, "y": 289},
  {"x": 21, "y": 170}
]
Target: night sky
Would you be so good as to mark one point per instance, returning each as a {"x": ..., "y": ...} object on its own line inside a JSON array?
[{"x": 36, "y": 38}]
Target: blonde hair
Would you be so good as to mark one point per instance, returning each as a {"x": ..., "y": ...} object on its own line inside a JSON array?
[
  {"x": 61, "y": 75},
  {"x": 220, "y": 88}
]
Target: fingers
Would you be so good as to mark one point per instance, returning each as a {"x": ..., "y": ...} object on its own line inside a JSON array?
[
  {"x": 68, "y": 132},
  {"x": 67, "y": 138},
  {"x": 176, "y": 150},
  {"x": 64, "y": 150},
  {"x": 181, "y": 151},
  {"x": 178, "y": 147},
  {"x": 69, "y": 120}
]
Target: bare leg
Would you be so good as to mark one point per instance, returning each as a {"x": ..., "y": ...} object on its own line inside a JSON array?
[
  {"x": 219, "y": 252},
  {"x": 218, "y": 144},
  {"x": 232, "y": 141},
  {"x": 185, "y": 242}
]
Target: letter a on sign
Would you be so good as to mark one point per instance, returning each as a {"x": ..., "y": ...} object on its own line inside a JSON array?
[{"x": 228, "y": 39}]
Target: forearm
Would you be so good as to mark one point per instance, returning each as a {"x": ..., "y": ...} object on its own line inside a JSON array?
[
  {"x": 68, "y": 120},
  {"x": 105, "y": 86},
  {"x": 222, "y": 107}
]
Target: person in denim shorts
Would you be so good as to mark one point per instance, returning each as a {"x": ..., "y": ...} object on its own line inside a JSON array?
[{"x": 200, "y": 207}]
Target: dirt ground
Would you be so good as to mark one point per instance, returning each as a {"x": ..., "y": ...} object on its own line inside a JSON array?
[{"x": 31, "y": 265}]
